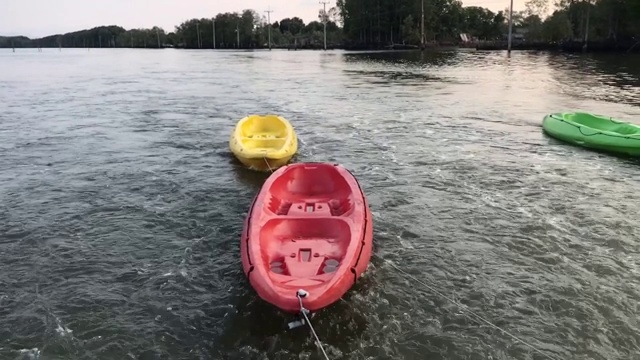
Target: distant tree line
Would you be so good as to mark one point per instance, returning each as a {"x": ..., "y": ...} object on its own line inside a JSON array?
[
  {"x": 580, "y": 20},
  {"x": 373, "y": 24},
  {"x": 251, "y": 30},
  {"x": 378, "y": 22},
  {"x": 98, "y": 37},
  {"x": 247, "y": 29}
]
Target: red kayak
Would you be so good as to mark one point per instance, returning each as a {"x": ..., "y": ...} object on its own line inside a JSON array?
[{"x": 309, "y": 228}]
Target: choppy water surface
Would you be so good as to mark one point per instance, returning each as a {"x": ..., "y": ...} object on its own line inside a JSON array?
[{"x": 121, "y": 208}]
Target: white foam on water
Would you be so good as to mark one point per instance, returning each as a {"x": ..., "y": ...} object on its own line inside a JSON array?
[
  {"x": 31, "y": 353},
  {"x": 61, "y": 329},
  {"x": 524, "y": 212},
  {"x": 554, "y": 222}
]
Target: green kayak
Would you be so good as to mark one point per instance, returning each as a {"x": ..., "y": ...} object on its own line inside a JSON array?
[{"x": 594, "y": 131}]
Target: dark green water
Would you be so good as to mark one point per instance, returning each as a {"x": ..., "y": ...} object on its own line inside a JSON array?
[{"x": 121, "y": 207}]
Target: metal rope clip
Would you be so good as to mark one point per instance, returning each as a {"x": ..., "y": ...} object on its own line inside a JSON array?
[
  {"x": 301, "y": 294},
  {"x": 303, "y": 311}
]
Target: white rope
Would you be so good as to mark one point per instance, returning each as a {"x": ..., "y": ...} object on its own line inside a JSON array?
[
  {"x": 300, "y": 294},
  {"x": 267, "y": 162},
  {"x": 478, "y": 317}
]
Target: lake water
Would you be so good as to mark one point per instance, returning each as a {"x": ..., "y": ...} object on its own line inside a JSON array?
[{"x": 121, "y": 206}]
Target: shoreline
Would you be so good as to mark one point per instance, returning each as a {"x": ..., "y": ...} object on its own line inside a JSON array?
[
  {"x": 568, "y": 47},
  {"x": 514, "y": 48}
]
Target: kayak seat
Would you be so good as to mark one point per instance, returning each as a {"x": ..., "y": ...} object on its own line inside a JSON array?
[
  {"x": 304, "y": 247},
  {"x": 267, "y": 125},
  {"x": 256, "y": 143},
  {"x": 311, "y": 182},
  {"x": 626, "y": 130},
  {"x": 265, "y": 136},
  {"x": 311, "y": 189}
]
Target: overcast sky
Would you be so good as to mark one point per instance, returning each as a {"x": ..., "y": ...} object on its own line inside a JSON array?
[{"x": 37, "y": 18}]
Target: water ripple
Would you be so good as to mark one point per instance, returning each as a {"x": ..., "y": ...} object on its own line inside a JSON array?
[{"x": 121, "y": 208}]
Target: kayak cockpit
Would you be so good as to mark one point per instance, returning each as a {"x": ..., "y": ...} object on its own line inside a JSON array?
[
  {"x": 263, "y": 133},
  {"x": 312, "y": 184},
  {"x": 603, "y": 124},
  {"x": 627, "y": 130},
  {"x": 304, "y": 252}
]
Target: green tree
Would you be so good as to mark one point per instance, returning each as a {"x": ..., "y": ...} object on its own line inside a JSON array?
[
  {"x": 293, "y": 25},
  {"x": 557, "y": 27},
  {"x": 482, "y": 23},
  {"x": 409, "y": 32},
  {"x": 379, "y": 22},
  {"x": 537, "y": 7}
]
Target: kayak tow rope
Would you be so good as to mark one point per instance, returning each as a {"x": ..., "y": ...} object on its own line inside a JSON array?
[
  {"x": 474, "y": 316},
  {"x": 267, "y": 161},
  {"x": 301, "y": 294}
]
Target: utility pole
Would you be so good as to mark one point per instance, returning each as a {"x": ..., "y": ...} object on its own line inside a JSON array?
[
  {"x": 269, "y": 24},
  {"x": 213, "y": 26},
  {"x": 198, "y": 31},
  {"x": 158, "y": 36},
  {"x": 422, "y": 46},
  {"x": 586, "y": 31},
  {"x": 324, "y": 21},
  {"x": 510, "y": 27},
  {"x": 238, "y": 36}
]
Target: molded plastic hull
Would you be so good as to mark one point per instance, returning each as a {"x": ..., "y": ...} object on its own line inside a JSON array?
[
  {"x": 309, "y": 228},
  {"x": 264, "y": 164},
  {"x": 263, "y": 143},
  {"x": 595, "y": 132}
]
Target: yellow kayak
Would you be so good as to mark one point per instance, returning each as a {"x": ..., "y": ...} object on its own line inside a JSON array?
[{"x": 263, "y": 143}]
